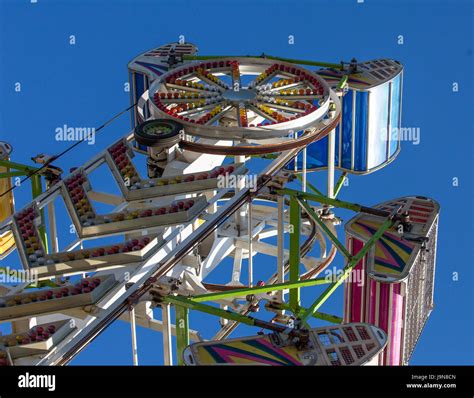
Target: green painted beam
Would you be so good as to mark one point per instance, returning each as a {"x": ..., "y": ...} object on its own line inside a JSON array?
[
  {"x": 347, "y": 270},
  {"x": 18, "y": 166},
  {"x": 182, "y": 331},
  {"x": 10, "y": 174},
  {"x": 343, "y": 82},
  {"x": 309, "y": 185},
  {"x": 239, "y": 292},
  {"x": 292, "y": 61},
  {"x": 180, "y": 301},
  {"x": 187, "y": 303},
  {"x": 324, "y": 227},
  {"x": 327, "y": 317},
  {"x": 37, "y": 189},
  {"x": 316, "y": 314},
  {"x": 333, "y": 202},
  {"x": 295, "y": 260},
  {"x": 340, "y": 183}
]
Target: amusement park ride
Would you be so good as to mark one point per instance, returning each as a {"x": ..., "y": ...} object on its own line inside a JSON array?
[{"x": 221, "y": 138}]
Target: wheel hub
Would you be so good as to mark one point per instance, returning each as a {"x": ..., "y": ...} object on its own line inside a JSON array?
[{"x": 242, "y": 95}]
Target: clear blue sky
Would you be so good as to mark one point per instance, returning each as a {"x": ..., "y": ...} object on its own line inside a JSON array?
[{"x": 82, "y": 85}]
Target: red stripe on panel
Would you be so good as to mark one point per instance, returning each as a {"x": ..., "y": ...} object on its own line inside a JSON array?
[
  {"x": 356, "y": 296},
  {"x": 420, "y": 203},
  {"x": 420, "y": 220},
  {"x": 419, "y": 214},
  {"x": 396, "y": 337},
  {"x": 372, "y": 301},
  {"x": 423, "y": 209},
  {"x": 384, "y": 309}
]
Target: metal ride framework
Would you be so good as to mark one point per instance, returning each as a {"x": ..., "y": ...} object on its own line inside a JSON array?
[
  {"x": 281, "y": 110},
  {"x": 299, "y": 201}
]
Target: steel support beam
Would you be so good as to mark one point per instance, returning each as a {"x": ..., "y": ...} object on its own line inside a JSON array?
[
  {"x": 293, "y": 61},
  {"x": 324, "y": 227},
  {"x": 133, "y": 328},
  {"x": 37, "y": 190},
  {"x": 250, "y": 247},
  {"x": 310, "y": 186},
  {"x": 331, "y": 160},
  {"x": 340, "y": 183},
  {"x": 167, "y": 333},
  {"x": 347, "y": 270},
  {"x": 334, "y": 202},
  {"x": 231, "y": 316},
  {"x": 182, "y": 331},
  {"x": 10, "y": 174},
  {"x": 281, "y": 246},
  {"x": 294, "y": 274},
  {"x": 240, "y": 292}
]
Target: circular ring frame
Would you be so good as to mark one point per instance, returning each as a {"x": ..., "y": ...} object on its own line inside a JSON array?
[
  {"x": 296, "y": 100},
  {"x": 309, "y": 136}
]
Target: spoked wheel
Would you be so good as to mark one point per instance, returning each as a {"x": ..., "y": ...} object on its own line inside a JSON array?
[{"x": 243, "y": 99}]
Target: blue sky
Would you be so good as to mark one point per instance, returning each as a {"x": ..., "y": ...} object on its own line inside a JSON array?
[{"x": 83, "y": 85}]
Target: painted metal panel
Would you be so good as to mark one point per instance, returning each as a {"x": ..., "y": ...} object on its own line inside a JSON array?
[
  {"x": 377, "y": 139},
  {"x": 368, "y": 136},
  {"x": 360, "y": 133},
  {"x": 395, "y": 115}
]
